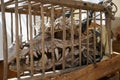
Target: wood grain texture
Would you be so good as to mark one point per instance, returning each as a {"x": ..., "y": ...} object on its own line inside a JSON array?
[{"x": 102, "y": 69}]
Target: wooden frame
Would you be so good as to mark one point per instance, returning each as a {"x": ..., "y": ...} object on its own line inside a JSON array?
[{"x": 40, "y": 7}]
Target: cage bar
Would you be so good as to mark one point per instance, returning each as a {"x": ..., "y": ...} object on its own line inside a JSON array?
[
  {"x": 31, "y": 39},
  {"x": 17, "y": 39},
  {"x": 88, "y": 57},
  {"x": 43, "y": 32},
  {"x": 80, "y": 46},
  {"x": 20, "y": 24},
  {"x": 11, "y": 27},
  {"x": 5, "y": 44},
  {"x": 52, "y": 36},
  {"x": 94, "y": 54},
  {"x": 27, "y": 27},
  {"x": 101, "y": 34},
  {"x": 64, "y": 38}
]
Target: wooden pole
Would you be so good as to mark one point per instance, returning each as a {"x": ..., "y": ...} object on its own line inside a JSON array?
[
  {"x": 17, "y": 39},
  {"x": 87, "y": 37},
  {"x": 34, "y": 24},
  {"x": 101, "y": 51},
  {"x": 43, "y": 42},
  {"x": 5, "y": 45},
  {"x": 80, "y": 46},
  {"x": 108, "y": 22},
  {"x": 11, "y": 27},
  {"x": 52, "y": 37},
  {"x": 31, "y": 39},
  {"x": 27, "y": 27},
  {"x": 64, "y": 38},
  {"x": 94, "y": 39},
  {"x": 20, "y": 25},
  {"x": 72, "y": 37},
  {"x": 108, "y": 26}
]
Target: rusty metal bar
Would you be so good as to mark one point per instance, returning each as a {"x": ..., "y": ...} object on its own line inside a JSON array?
[
  {"x": 64, "y": 38},
  {"x": 94, "y": 53},
  {"x": 17, "y": 39},
  {"x": 43, "y": 42},
  {"x": 27, "y": 27},
  {"x": 80, "y": 30},
  {"x": 72, "y": 37},
  {"x": 101, "y": 50},
  {"x": 87, "y": 37},
  {"x": 5, "y": 45},
  {"x": 31, "y": 40},
  {"x": 52, "y": 36},
  {"x": 11, "y": 27}
]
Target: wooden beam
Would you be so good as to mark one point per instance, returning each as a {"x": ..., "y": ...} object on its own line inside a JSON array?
[
  {"x": 102, "y": 69},
  {"x": 71, "y": 3},
  {"x": 74, "y": 4}
]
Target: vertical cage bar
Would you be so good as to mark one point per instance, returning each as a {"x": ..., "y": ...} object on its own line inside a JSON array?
[
  {"x": 101, "y": 50},
  {"x": 43, "y": 42},
  {"x": 87, "y": 37},
  {"x": 17, "y": 39},
  {"x": 31, "y": 37},
  {"x": 72, "y": 37},
  {"x": 5, "y": 46},
  {"x": 52, "y": 36},
  {"x": 80, "y": 46},
  {"x": 108, "y": 27},
  {"x": 94, "y": 53},
  {"x": 11, "y": 27},
  {"x": 27, "y": 27},
  {"x": 64, "y": 38},
  {"x": 34, "y": 24},
  {"x": 20, "y": 25}
]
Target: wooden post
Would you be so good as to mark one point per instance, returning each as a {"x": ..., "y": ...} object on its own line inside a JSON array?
[
  {"x": 20, "y": 25},
  {"x": 43, "y": 42},
  {"x": 64, "y": 38},
  {"x": 108, "y": 26},
  {"x": 80, "y": 46},
  {"x": 87, "y": 37},
  {"x": 72, "y": 37},
  {"x": 101, "y": 51},
  {"x": 34, "y": 24},
  {"x": 5, "y": 45},
  {"x": 52, "y": 36},
  {"x": 31, "y": 39},
  {"x": 11, "y": 27},
  {"x": 17, "y": 39},
  {"x": 27, "y": 27},
  {"x": 94, "y": 39}
]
